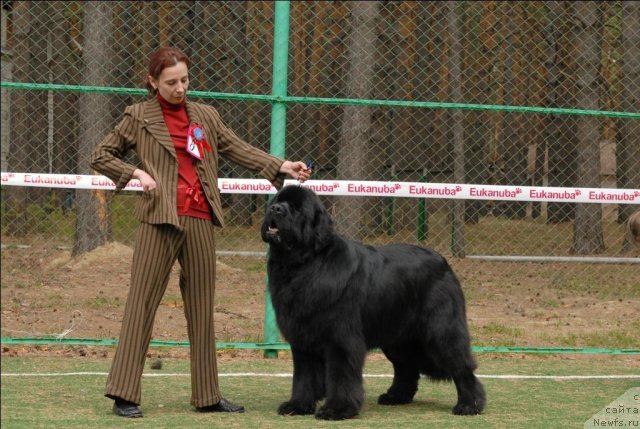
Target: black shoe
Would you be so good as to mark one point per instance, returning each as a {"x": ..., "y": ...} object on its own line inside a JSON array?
[
  {"x": 124, "y": 408},
  {"x": 223, "y": 406}
]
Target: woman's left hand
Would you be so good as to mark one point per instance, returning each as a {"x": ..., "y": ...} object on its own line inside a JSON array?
[{"x": 297, "y": 170}]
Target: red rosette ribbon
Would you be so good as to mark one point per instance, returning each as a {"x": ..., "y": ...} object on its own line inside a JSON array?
[{"x": 197, "y": 139}]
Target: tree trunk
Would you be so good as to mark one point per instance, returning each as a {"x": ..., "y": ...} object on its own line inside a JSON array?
[
  {"x": 561, "y": 138},
  {"x": 5, "y": 125},
  {"x": 628, "y": 153},
  {"x": 357, "y": 119},
  {"x": 18, "y": 152},
  {"x": 587, "y": 228},
  {"x": 124, "y": 37},
  {"x": 146, "y": 29},
  {"x": 64, "y": 69},
  {"x": 332, "y": 82},
  {"x": 457, "y": 117},
  {"x": 513, "y": 148},
  {"x": 431, "y": 83},
  {"x": 315, "y": 131},
  {"x": 235, "y": 43},
  {"x": 93, "y": 213},
  {"x": 402, "y": 147},
  {"x": 38, "y": 136},
  {"x": 535, "y": 47},
  {"x": 480, "y": 50}
]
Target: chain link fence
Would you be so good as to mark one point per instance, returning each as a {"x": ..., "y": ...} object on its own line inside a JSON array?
[{"x": 563, "y": 55}]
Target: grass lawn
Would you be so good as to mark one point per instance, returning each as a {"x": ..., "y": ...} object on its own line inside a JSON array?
[{"x": 70, "y": 401}]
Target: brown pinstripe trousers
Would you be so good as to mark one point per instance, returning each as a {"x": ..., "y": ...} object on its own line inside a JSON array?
[{"x": 156, "y": 249}]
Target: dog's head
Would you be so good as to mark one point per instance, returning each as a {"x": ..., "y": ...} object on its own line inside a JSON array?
[{"x": 296, "y": 220}]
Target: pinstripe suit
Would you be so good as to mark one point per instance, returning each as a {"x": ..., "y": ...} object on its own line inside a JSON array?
[{"x": 163, "y": 237}]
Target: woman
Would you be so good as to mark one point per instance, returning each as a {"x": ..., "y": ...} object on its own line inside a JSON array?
[{"x": 178, "y": 143}]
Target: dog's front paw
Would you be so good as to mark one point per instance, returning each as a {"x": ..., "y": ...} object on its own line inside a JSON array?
[
  {"x": 389, "y": 399},
  {"x": 329, "y": 413},
  {"x": 291, "y": 408},
  {"x": 467, "y": 409}
]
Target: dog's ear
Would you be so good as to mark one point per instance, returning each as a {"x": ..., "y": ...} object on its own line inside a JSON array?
[{"x": 322, "y": 227}]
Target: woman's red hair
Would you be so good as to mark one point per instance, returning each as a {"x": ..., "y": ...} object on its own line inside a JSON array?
[{"x": 161, "y": 59}]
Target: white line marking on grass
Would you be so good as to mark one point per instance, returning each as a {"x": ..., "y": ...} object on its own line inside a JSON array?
[{"x": 288, "y": 375}]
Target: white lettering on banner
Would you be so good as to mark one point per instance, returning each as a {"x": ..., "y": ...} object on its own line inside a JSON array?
[{"x": 355, "y": 188}]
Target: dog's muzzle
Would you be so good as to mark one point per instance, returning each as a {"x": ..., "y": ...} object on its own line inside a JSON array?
[{"x": 272, "y": 233}]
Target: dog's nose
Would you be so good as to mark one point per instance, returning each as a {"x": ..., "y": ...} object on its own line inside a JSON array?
[{"x": 276, "y": 209}]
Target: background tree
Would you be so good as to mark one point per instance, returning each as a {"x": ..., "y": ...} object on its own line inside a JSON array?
[
  {"x": 227, "y": 71},
  {"x": 39, "y": 139},
  {"x": 628, "y": 153},
  {"x": 454, "y": 41},
  {"x": 28, "y": 150},
  {"x": 587, "y": 227},
  {"x": 511, "y": 157},
  {"x": 433, "y": 130},
  {"x": 93, "y": 211},
  {"x": 19, "y": 150},
  {"x": 64, "y": 68},
  {"x": 520, "y": 53},
  {"x": 535, "y": 45},
  {"x": 354, "y": 139},
  {"x": 5, "y": 125},
  {"x": 479, "y": 52},
  {"x": 561, "y": 136}
]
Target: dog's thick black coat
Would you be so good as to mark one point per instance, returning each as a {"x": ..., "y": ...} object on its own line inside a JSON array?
[{"x": 335, "y": 298}]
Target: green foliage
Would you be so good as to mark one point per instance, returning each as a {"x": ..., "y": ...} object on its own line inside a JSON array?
[
  {"x": 124, "y": 223},
  {"x": 103, "y": 302},
  {"x": 490, "y": 236}
]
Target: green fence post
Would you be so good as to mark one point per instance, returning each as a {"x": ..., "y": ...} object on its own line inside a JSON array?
[{"x": 278, "y": 133}]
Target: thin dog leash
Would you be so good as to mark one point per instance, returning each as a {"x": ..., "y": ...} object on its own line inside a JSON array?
[{"x": 309, "y": 164}]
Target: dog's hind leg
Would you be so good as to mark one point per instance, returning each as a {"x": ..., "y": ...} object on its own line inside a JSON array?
[
  {"x": 471, "y": 394},
  {"x": 449, "y": 357},
  {"x": 405, "y": 375}
]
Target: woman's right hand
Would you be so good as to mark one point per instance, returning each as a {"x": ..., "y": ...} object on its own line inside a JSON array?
[{"x": 147, "y": 182}]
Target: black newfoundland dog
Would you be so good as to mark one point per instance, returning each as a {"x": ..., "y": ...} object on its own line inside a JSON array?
[{"x": 334, "y": 299}]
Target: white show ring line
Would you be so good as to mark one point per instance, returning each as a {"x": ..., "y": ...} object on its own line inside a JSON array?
[{"x": 289, "y": 375}]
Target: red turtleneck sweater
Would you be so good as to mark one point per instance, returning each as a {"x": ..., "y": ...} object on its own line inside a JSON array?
[{"x": 191, "y": 199}]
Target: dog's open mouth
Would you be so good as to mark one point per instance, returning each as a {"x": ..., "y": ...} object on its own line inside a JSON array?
[{"x": 273, "y": 232}]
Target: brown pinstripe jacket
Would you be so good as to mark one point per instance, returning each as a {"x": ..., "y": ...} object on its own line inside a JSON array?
[{"x": 144, "y": 131}]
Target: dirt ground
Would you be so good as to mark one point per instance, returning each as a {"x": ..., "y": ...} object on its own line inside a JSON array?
[{"x": 47, "y": 293}]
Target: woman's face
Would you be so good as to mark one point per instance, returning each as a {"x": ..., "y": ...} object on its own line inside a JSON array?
[{"x": 172, "y": 83}]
